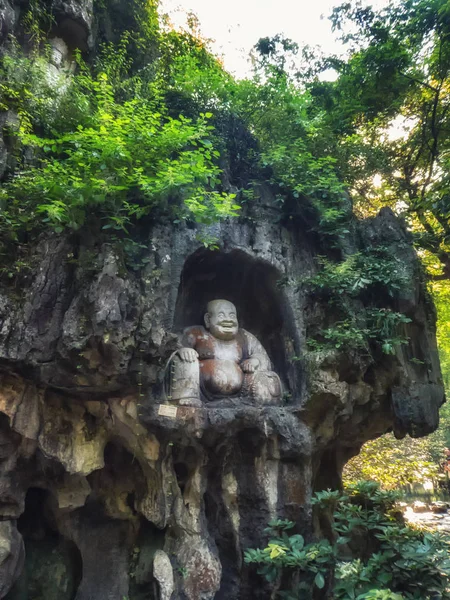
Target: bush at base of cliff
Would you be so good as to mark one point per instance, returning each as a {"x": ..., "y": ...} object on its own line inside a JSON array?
[{"x": 374, "y": 554}]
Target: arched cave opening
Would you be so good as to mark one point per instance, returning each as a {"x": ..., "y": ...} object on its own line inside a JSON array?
[
  {"x": 53, "y": 565},
  {"x": 253, "y": 287}
]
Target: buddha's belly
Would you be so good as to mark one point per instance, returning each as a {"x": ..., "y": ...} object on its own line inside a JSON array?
[{"x": 221, "y": 377}]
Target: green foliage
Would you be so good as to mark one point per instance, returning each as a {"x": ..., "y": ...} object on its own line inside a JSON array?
[
  {"x": 343, "y": 335},
  {"x": 132, "y": 135},
  {"x": 382, "y": 595},
  {"x": 117, "y": 157},
  {"x": 37, "y": 22},
  {"x": 416, "y": 565},
  {"x": 138, "y": 21},
  {"x": 383, "y": 123},
  {"x": 25, "y": 86},
  {"x": 372, "y": 270},
  {"x": 374, "y": 554},
  {"x": 370, "y": 275},
  {"x": 192, "y": 78},
  {"x": 312, "y": 140},
  {"x": 397, "y": 463},
  {"x": 297, "y": 150},
  {"x": 289, "y": 146},
  {"x": 130, "y": 162},
  {"x": 283, "y": 551},
  {"x": 385, "y": 328},
  {"x": 389, "y": 107},
  {"x": 441, "y": 296},
  {"x": 382, "y": 327}
]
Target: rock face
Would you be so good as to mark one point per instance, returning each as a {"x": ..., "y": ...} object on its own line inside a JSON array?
[
  {"x": 101, "y": 495},
  {"x": 90, "y": 471}
]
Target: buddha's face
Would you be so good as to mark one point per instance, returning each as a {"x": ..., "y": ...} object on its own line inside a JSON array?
[{"x": 221, "y": 319}]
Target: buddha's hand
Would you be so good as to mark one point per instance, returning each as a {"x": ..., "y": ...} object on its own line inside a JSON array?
[
  {"x": 250, "y": 365},
  {"x": 188, "y": 355}
]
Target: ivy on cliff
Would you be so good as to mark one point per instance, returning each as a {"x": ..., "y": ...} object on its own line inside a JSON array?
[{"x": 372, "y": 275}]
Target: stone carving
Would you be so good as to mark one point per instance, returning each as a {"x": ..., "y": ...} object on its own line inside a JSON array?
[{"x": 221, "y": 361}]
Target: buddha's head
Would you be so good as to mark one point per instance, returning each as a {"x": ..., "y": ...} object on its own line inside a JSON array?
[{"x": 221, "y": 319}]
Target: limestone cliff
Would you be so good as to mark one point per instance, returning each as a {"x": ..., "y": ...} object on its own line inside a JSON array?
[{"x": 100, "y": 496}]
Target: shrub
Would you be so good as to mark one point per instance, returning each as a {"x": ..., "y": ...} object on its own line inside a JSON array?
[
  {"x": 374, "y": 555},
  {"x": 132, "y": 160}
]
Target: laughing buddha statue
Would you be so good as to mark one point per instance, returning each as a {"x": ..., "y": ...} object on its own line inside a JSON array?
[{"x": 221, "y": 361}]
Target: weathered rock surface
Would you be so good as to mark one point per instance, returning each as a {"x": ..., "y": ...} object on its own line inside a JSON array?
[
  {"x": 7, "y": 19},
  {"x": 83, "y": 356},
  {"x": 100, "y": 496},
  {"x": 11, "y": 555}
]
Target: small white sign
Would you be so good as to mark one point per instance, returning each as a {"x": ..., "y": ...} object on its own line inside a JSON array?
[{"x": 166, "y": 410}]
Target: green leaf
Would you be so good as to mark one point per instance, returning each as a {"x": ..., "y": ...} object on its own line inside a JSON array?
[{"x": 319, "y": 580}]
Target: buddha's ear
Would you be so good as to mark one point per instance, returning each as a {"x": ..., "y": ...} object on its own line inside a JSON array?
[{"x": 207, "y": 320}]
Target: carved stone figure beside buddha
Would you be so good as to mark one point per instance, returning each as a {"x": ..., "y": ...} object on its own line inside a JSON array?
[{"x": 220, "y": 361}]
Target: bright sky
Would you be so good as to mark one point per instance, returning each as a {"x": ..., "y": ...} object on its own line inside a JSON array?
[{"x": 236, "y": 25}]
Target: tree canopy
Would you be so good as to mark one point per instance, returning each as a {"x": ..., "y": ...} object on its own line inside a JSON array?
[{"x": 391, "y": 102}]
